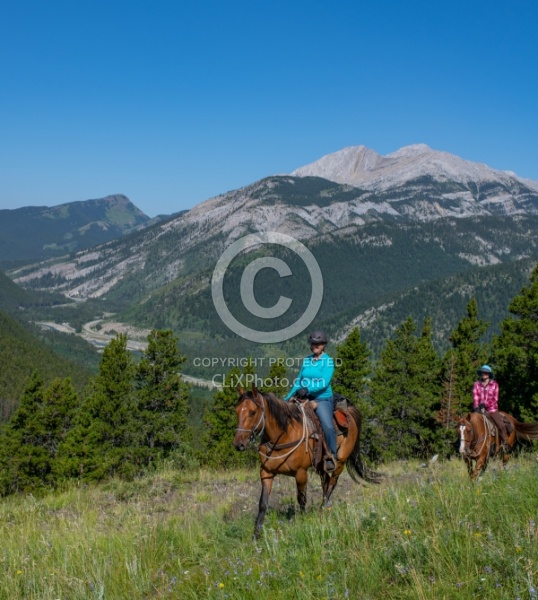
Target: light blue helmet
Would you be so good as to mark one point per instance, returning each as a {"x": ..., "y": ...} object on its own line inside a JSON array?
[{"x": 485, "y": 369}]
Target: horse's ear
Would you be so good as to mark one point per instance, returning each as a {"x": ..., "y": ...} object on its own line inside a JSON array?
[
  {"x": 255, "y": 391},
  {"x": 240, "y": 390}
]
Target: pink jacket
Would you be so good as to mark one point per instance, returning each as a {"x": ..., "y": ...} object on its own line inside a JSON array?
[{"x": 488, "y": 395}]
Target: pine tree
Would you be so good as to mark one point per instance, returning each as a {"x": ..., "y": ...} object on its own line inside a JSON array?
[
  {"x": 429, "y": 386},
  {"x": 220, "y": 421},
  {"x": 104, "y": 438},
  {"x": 30, "y": 441},
  {"x": 352, "y": 367},
  {"x": 405, "y": 389},
  {"x": 460, "y": 364},
  {"x": 516, "y": 354},
  {"x": 276, "y": 380},
  {"x": 351, "y": 379},
  {"x": 162, "y": 397},
  {"x": 448, "y": 412}
]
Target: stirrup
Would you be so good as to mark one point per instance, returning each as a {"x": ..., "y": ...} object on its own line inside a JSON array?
[{"x": 329, "y": 464}]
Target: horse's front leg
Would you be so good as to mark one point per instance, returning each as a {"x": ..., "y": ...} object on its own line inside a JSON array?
[
  {"x": 267, "y": 484},
  {"x": 328, "y": 483},
  {"x": 469, "y": 465},
  {"x": 301, "y": 481},
  {"x": 479, "y": 466}
]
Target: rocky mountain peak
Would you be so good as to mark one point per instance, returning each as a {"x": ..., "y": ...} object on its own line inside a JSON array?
[
  {"x": 361, "y": 167},
  {"x": 412, "y": 150}
]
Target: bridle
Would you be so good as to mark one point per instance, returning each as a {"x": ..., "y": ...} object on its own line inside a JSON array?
[
  {"x": 470, "y": 443},
  {"x": 261, "y": 422},
  {"x": 260, "y": 426}
]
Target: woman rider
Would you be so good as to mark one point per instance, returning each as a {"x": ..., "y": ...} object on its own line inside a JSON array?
[
  {"x": 486, "y": 396},
  {"x": 314, "y": 383}
]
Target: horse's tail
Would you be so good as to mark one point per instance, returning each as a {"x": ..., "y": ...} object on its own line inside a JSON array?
[
  {"x": 526, "y": 431},
  {"x": 355, "y": 467}
]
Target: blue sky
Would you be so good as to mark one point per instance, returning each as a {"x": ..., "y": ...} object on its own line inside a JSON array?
[{"x": 172, "y": 103}]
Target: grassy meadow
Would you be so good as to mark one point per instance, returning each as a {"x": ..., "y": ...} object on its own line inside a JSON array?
[{"x": 427, "y": 532}]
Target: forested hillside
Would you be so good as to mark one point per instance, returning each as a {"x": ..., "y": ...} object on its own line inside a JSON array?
[
  {"x": 444, "y": 302},
  {"x": 375, "y": 277},
  {"x": 35, "y": 233},
  {"x": 30, "y": 306},
  {"x": 21, "y": 353}
]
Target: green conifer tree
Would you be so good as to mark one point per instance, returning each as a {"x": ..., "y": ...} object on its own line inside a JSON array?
[
  {"x": 465, "y": 355},
  {"x": 352, "y": 368},
  {"x": 516, "y": 354},
  {"x": 429, "y": 388},
  {"x": 30, "y": 442},
  {"x": 104, "y": 438},
  {"x": 162, "y": 397},
  {"x": 220, "y": 422},
  {"x": 276, "y": 380},
  {"x": 350, "y": 379},
  {"x": 405, "y": 389}
]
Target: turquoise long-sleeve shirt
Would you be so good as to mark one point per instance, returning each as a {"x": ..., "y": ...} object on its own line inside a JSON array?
[{"x": 315, "y": 376}]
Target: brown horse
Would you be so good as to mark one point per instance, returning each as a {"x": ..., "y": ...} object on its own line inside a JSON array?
[
  {"x": 479, "y": 439},
  {"x": 287, "y": 446}
]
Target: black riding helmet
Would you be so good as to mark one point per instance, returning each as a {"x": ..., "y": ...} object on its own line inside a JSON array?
[{"x": 317, "y": 337}]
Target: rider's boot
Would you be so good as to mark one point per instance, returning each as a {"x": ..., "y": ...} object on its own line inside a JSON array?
[
  {"x": 505, "y": 445},
  {"x": 330, "y": 463}
]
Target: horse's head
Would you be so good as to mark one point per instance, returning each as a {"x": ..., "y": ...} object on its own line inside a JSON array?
[
  {"x": 465, "y": 429},
  {"x": 250, "y": 417}
]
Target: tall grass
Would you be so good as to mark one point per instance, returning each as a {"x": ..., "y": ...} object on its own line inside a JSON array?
[{"x": 424, "y": 533}]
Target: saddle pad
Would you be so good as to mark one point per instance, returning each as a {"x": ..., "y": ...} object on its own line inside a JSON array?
[{"x": 342, "y": 419}]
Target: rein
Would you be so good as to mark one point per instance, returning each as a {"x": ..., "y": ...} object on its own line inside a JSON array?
[
  {"x": 259, "y": 428},
  {"x": 293, "y": 445},
  {"x": 481, "y": 439}
]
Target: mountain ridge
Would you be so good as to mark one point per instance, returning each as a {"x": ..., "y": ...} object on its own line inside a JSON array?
[
  {"x": 34, "y": 233},
  {"x": 306, "y": 207},
  {"x": 369, "y": 244},
  {"x": 362, "y": 167}
]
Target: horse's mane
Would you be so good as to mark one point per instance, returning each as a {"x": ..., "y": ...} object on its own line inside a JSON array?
[{"x": 283, "y": 412}]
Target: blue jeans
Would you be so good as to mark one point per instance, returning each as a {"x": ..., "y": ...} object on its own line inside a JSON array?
[{"x": 325, "y": 411}]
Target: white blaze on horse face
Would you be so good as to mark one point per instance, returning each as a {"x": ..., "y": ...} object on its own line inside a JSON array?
[
  {"x": 242, "y": 415},
  {"x": 462, "y": 439}
]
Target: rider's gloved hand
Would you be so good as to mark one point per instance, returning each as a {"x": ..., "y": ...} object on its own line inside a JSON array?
[
  {"x": 477, "y": 409},
  {"x": 482, "y": 407},
  {"x": 302, "y": 393}
]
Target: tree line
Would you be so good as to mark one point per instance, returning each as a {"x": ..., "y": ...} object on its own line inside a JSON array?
[
  {"x": 410, "y": 397},
  {"x": 135, "y": 414},
  {"x": 132, "y": 416}
]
